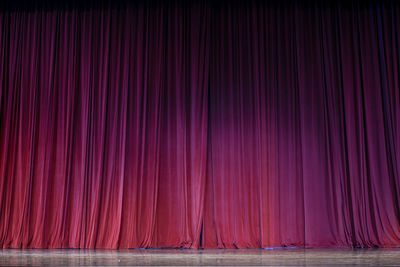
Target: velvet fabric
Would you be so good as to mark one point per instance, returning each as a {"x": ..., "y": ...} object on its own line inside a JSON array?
[{"x": 200, "y": 125}]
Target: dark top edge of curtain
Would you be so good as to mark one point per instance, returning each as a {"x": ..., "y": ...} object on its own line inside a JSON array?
[{"x": 26, "y": 5}]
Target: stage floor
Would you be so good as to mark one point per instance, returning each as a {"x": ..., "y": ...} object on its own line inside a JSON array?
[{"x": 202, "y": 257}]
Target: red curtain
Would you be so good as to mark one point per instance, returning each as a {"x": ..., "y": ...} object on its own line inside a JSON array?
[{"x": 200, "y": 125}]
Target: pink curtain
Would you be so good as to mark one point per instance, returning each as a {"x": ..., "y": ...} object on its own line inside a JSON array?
[{"x": 200, "y": 125}]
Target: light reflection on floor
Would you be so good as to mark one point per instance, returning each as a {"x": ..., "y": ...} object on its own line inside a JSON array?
[{"x": 202, "y": 257}]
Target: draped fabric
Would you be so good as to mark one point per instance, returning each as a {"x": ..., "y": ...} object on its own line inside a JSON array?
[{"x": 223, "y": 125}]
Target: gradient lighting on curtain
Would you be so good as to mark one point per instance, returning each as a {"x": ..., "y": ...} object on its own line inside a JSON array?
[{"x": 200, "y": 125}]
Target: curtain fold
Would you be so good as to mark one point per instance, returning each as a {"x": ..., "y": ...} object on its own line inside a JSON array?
[{"x": 229, "y": 125}]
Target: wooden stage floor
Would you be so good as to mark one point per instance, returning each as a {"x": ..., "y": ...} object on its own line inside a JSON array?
[{"x": 202, "y": 257}]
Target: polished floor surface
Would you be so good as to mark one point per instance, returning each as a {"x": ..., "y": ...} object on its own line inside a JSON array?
[{"x": 202, "y": 257}]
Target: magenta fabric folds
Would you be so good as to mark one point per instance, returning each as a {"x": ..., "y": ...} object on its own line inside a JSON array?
[{"x": 200, "y": 125}]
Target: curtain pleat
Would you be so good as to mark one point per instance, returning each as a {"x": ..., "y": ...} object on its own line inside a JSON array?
[{"x": 229, "y": 125}]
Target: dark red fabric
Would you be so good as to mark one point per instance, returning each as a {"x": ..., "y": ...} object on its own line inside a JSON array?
[{"x": 200, "y": 125}]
